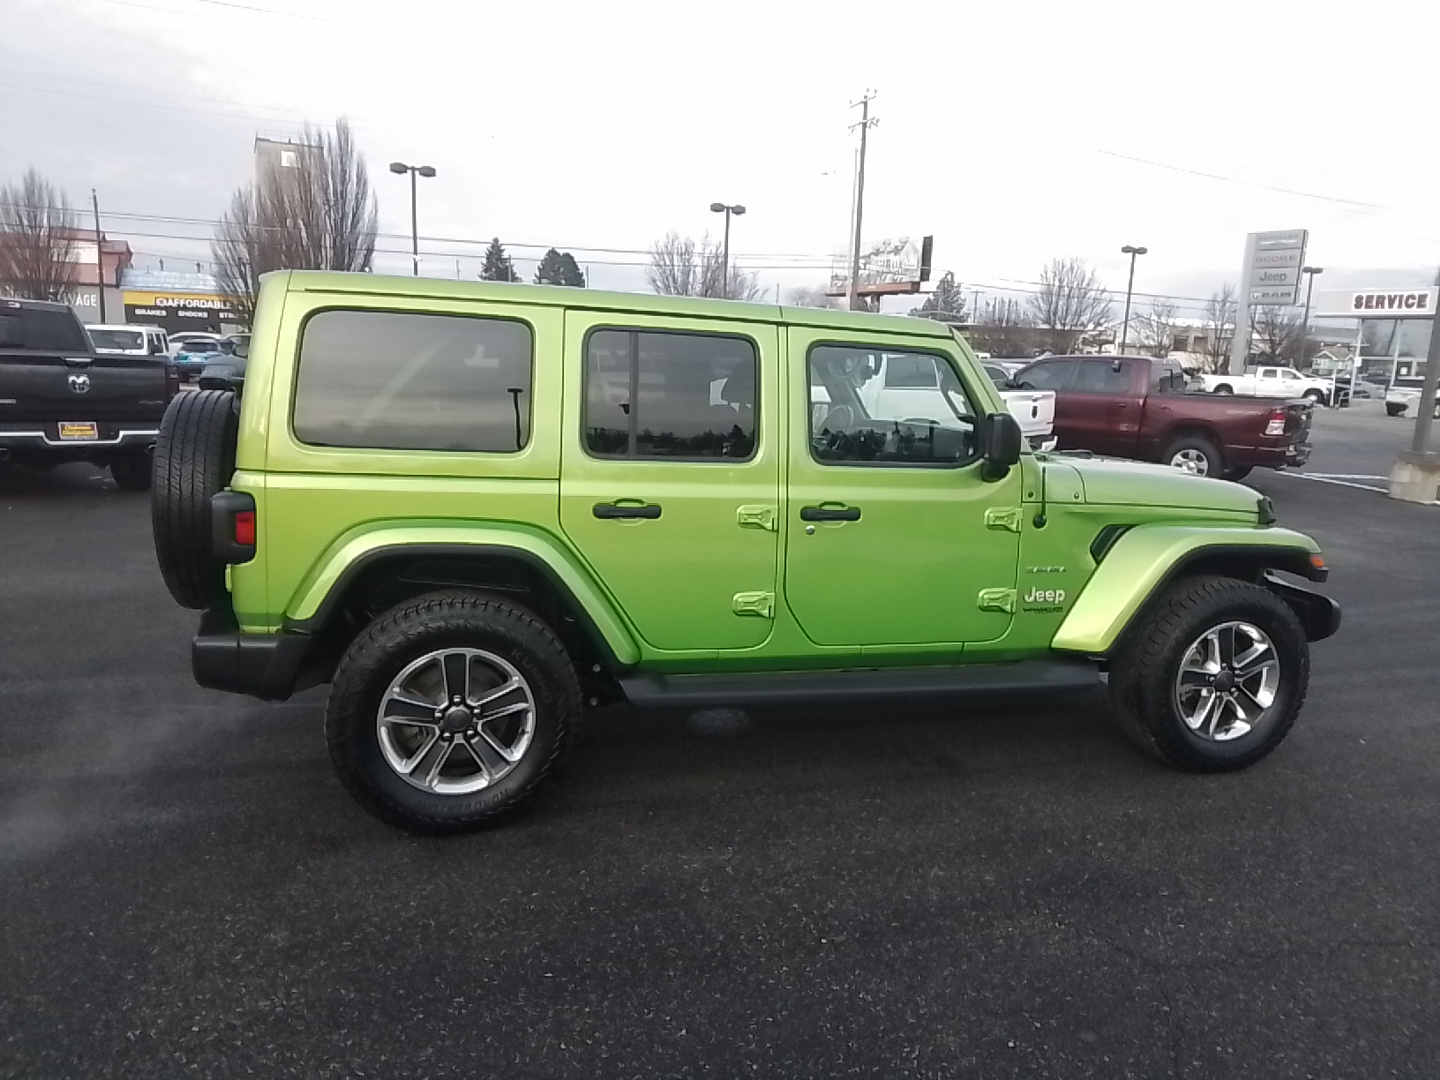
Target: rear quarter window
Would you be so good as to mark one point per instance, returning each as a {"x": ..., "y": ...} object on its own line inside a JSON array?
[{"x": 404, "y": 381}]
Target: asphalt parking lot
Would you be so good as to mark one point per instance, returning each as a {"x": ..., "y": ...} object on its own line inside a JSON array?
[{"x": 999, "y": 889}]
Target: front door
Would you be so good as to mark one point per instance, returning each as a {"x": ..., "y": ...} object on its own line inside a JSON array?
[
  {"x": 1104, "y": 408},
  {"x": 893, "y": 537},
  {"x": 670, "y": 486}
]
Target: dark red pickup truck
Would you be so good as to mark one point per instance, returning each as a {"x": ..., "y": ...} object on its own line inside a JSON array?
[{"x": 1137, "y": 407}]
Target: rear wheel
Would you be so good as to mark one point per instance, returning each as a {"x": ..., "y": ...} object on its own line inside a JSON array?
[
  {"x": 1394, "y": 410},
  {"x": 1223, "y": 389},
  {"x": 132, "y": 470},
  {"x": 1239, "y": 472},
  {"x": 1213, "y": 676},
  {"x": 1195, "y": 454},
  {"x": 449, "y": 710},
  {"x": 194, "y": 459}
]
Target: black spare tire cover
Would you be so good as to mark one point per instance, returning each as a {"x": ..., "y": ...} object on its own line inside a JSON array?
[{"x": 194, "y": 459}]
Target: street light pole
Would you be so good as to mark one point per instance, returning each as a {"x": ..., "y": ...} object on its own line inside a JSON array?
[
  {"x": 1129, "y": 288},
  {"x": 399, "y": 168},
  {"x": 727, "y": 210}
]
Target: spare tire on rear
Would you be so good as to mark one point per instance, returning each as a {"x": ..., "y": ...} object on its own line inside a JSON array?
[{"x": 194, "y": 459}]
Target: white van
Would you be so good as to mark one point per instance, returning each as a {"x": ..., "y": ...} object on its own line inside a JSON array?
[{"x": 124, "y": 339}]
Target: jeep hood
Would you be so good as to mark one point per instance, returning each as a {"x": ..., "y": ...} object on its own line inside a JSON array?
[{"x": 1131, "y": 483}]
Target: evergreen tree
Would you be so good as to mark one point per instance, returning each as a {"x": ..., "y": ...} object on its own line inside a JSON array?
[
  {"x": 559, "y": 268},
  {"x": 498, "y": 266},
  {"x": 946, "y": 303}
]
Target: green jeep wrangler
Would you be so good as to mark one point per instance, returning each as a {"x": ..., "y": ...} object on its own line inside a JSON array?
[{"x": 476, "y": 509}]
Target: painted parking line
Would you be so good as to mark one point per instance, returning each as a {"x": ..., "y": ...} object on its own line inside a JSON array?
[
  {"x": 1333, "y": 480},
  {"x": 1344, "y": 476}
]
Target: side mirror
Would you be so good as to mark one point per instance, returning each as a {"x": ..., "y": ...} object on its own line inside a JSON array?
[{"x": 1000, "y": 444}]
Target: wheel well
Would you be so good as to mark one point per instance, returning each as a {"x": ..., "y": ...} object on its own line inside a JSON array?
[
  {"x": 1243, "y": 563},
  {"x": 1187, "y": 430},
  {"x": 388, "y": 578}
]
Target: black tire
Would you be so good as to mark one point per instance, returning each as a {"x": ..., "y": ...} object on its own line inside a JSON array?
[
  {"x": 1314, "y": 396},
  {"x": 1239, "y": 472},
  {"x": 1200, "y": 447},
  {"x": 1222, "y": 389},
  {"x": 194, "y": 459},
  {"x": 411, "y": 631},
  {"x": 1146, "y": 663},
  {"x": 1394, "y": 410},
  {"x": 132, "y": 471}
]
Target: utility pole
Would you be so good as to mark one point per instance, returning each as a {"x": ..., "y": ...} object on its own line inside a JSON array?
[
  {"x": 974, "y": 306},
  {"x": 865, "y": 124},
  {"x": 99, "y": 254}
]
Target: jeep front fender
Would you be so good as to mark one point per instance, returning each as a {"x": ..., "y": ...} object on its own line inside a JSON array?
[
  {"x": 360, "y": 547},
  {"x": 1148, "y": 556}
]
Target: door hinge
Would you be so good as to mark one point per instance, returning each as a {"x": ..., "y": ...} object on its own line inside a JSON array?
[
  {"x": 997, "y": 600},
  {"x": 760, "y": 604},
  {"x": 1003, "y": 517},
  {"x": 762, "y": 517}
]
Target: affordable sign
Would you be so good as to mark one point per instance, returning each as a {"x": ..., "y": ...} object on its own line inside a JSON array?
[{"x": 180, "y": 311}]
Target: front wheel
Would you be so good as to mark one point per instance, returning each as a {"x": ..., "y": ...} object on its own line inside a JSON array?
[
  {"x": 449, "y": 710},
  {"x": 1315, "y": 397},
  {"x": 1394, "y": 410},
  {"x": 1213, "y": 676}
]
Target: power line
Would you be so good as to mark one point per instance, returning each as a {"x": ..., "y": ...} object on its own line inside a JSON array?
[
  {"x": 1253, "y": 184},
  {"x": 221, "y": 4}
]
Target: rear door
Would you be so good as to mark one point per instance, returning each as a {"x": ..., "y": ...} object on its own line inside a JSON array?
[
  {"x": 670, "y": 486},
  {"x": 1104, "y": 406}
]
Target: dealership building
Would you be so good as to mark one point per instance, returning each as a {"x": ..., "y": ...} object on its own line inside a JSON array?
[
  {"x": 177, "y": 301},
  {"x": 1390, "y": 328}
]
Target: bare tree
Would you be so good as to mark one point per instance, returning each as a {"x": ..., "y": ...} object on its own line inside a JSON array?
[
  {"x": 1003, "y": 328},
  {"x": 1219, "y": 327},
  {"x": 681, "y": 266},
  {"x": 1155, "y": 330},
  {"x": 1070, "y": 303},
  {"x": 811, "y": 296},
  {"x": 317, "y": 214},
  {"x": 37, "y": 240},
  {"x": 1275, "y": 333}
]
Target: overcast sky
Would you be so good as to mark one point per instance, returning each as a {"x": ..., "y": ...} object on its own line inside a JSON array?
[{"x": 1013, "y": 132}]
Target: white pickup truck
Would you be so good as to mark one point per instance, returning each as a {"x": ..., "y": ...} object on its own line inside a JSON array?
[
  {"x": 1270, "y": 382},
  {"x": 906, "y": 382},
  {"x": 905, "y": 386}
]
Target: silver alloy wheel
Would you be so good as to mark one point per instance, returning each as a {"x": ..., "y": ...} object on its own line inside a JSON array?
[
  {"x": 1192, "y": 461},
  {"x": 1227, "y": 681},
  {"x": 456, "y": 721}
]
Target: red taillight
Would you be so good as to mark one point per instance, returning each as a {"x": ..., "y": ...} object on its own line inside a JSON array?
[
  {"x": 1276, "y": 425},
  {"x": 245, "y": 528}
]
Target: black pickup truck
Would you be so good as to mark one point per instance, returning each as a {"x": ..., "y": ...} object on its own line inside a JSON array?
[{"x": 61, "y": 401}]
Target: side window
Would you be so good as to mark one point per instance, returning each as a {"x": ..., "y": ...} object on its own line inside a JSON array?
[
  {"x": 1267, "y": 373},
  {"x": 399, "y": 381},
  {"x": 905, "y": 371},
  {"x": 656, "y": 394},
  {"x": 1047, "y": 375},
  {"x": 1100, "y": 377},
  {"x": 1170, "y": 379},
  {"x": 1286, "y": 373},
  {"x": 850, "y": 426}
]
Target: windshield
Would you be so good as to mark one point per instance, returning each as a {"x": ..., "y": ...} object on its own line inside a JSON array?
[
  {"x": 118, "y": 340},
  {"x": 200, "y": 347}
]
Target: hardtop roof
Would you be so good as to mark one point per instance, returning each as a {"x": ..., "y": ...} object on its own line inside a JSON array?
[{"x": 630, "y": 303}]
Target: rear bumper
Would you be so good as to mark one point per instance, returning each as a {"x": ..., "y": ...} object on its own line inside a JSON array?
[
  {"x": 266, "y": 666},
  {"x": 43, "y": 440},
  {"x": 1269, "y": 457}
]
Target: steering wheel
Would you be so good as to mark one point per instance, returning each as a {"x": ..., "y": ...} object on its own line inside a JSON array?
[{"x": 833, "y": 417}]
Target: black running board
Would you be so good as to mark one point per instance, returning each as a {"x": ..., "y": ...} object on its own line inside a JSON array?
[{"x": 799, "y": 687}]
